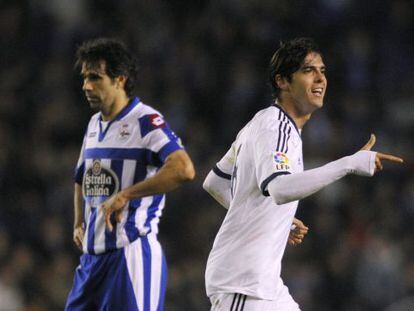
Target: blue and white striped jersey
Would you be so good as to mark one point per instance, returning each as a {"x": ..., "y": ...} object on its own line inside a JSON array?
[{"x": 114, "y": 156}]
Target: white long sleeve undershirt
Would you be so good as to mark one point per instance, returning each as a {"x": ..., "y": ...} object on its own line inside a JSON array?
[
  {"x": 218, "y": 188},
  {"x": 292, "y": 187}
]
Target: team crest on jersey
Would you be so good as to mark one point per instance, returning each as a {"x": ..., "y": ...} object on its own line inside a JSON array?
[
  {"x": 124, "y": 132},
  {"x": 99, "y": 184},
  {"x": 281, "y": 160}
]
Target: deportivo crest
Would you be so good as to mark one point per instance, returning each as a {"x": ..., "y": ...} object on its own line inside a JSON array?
[
  {"x": 281, "y": 160},
  {"x": 99, "y": 184},
  {"x": 124, "y": 132}
]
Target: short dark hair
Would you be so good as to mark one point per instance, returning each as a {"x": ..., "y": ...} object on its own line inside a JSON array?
[
  {"x": 288, "y": 58},
  {"x": 119, "y": 61}
]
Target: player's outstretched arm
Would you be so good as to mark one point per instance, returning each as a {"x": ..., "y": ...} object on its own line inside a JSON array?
[
  {"x": 177, "y": 169},
  {"x": 288, "y": 188},
  {"x": 297, "y": 232},
  {"x": 78, "y": 230},
  {"x": 219, "y": 188}
]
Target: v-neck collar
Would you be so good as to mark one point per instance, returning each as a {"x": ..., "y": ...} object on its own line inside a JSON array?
[{"x": 131, "y": 105}]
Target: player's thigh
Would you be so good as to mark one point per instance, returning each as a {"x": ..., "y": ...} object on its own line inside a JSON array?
[
  {"x": 240, "y": 302},
  {"x": 82, "y": 295}
]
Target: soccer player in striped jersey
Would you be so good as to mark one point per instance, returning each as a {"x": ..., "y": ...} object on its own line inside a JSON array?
[
  {"x": 129, "y": 158},
  {"x": 261, "y": 178}
]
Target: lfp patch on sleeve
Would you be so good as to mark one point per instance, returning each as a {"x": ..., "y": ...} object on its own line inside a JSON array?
[{"x": 281, "y": 160}]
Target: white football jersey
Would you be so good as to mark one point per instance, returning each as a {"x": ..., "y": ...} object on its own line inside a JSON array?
[
  {"x": 247, "y": 252},
  {"x": 115, "y": 155}
]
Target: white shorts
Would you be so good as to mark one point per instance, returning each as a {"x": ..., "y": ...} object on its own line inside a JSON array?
[{"x": 240, "y": 302}]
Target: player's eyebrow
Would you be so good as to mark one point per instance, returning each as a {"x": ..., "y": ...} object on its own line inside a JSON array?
[
  {"x": 308, "y": 66},
  {"x": 90, "y": 75}
]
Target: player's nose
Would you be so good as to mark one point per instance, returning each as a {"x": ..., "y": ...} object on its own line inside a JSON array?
[
  {"x": 87, "y": 86},
  {"x": 320, "y": 76}
]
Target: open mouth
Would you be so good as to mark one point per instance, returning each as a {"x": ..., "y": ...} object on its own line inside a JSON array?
[
  {"x": 317, "y": 91},
  {"x": 92, "y": 99}
]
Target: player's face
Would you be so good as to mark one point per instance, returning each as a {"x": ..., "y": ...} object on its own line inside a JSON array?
[
  {"x": 308, "y": 85},
  {"x": 100, "y": 90}
]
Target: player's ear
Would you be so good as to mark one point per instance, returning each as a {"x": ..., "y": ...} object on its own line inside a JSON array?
[
  {"x": 121, "y": 80},
  {"x": 281, "y": 82}
]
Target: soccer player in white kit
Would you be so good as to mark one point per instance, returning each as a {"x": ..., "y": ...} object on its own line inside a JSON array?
[
  {"x": 260, "y": 180},
  {"x": 129, "y": 159}
]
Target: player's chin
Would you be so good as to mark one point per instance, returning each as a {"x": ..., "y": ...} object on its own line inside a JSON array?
[
  {"x": 314, "y": 105},
  {"x": 317, "y": 103},
  {"x": 94, "y": 105}
]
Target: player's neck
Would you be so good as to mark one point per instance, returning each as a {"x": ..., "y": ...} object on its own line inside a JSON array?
[
  {"x": 292, "y": 111},
  {"x": 113, "y": 110}
]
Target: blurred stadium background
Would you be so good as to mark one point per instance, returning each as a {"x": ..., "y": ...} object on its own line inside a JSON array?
[{"x": 204, "y": 65}]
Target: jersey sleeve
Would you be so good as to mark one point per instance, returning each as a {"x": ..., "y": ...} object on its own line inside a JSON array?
[
  {"x": 271, "y": 154},
  {"x": 158, "y": 136},
  {"x": 80, "y": 166},
  {"x": 218, "y": 181},
  {"x": 224, "y": 167}
]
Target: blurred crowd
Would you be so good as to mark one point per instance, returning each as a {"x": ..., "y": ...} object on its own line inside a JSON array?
[{"x": 203, "y": 64}]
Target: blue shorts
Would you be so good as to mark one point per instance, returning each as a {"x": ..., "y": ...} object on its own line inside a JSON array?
[{"x": 132, "y": 278}]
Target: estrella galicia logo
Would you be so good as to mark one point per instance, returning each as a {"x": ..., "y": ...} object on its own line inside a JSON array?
[{"x": 99, "y": 184}]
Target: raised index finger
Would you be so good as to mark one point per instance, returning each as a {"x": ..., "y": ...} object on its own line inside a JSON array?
[{"x": 389, "y": 157}]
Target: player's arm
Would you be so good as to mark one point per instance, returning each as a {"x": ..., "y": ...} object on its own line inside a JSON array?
[
  {"x": 291, "y": 187},
  {"x": 78, "y": 229},
  {"x": 78, "y": 221},
  {"x": 218, "y": 180},
  {"x": 218, "y": 186},
  {"x": 177, "y": 169}
]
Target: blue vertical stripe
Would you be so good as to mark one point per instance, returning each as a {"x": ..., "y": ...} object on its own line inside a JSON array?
[
  {"x": 152, "y": 209},
  {"x": 163, "y": 285},
  {"x": 130, "y": 225},
  {"x": 110, "y": 237},
  {"x": 91, "y": 231},
  {"x": 146, "y": 259}
]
